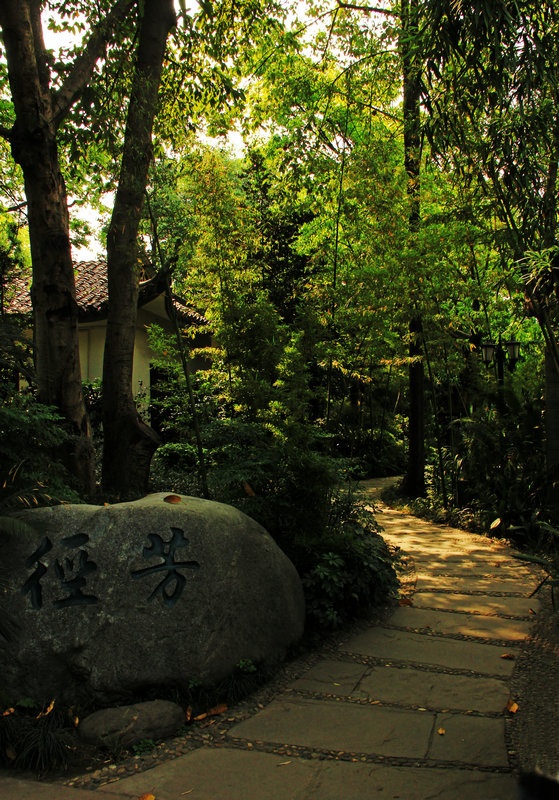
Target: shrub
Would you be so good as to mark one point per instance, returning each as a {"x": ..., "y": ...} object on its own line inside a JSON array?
[
  {"x": 29, "y": 435},
  {"x": 351, "y": 571}
]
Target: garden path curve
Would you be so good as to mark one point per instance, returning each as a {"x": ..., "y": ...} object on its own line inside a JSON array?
[{"x": 415, "y": 707}]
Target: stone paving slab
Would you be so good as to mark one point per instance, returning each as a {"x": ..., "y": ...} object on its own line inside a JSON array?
[
  {"x": 448, "y": 547},
  {"x": 433, "y": 650},
  {"x": 481, "y": 604},
  {"x": 472, "y": 740},
  {"x": 448, "y": 622},
  {"x": 330, "y": 725},
  {"x": 232, "y": 774},
  {"x": 342, "y": 678},
  {"x": 407, "y": 687},
  {"x": 452, "y": 568},
  {"x": 426, "y": 581},
  {"x": 364, "y": 782},
  {"x": 478, "y": 563},
  {"x": 16, "y": 789},
  {"x": 222, "y": 774}
]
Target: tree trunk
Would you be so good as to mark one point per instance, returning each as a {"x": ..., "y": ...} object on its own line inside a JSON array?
[
  {"x": 129, "y": 443},
  {"x": 34, "y": 148},
  {"x": 552, "y": 430},
  {"x": 414, "y": 481}
]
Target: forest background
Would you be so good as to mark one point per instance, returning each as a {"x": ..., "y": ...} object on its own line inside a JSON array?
[{"x": 392, "y": 211}]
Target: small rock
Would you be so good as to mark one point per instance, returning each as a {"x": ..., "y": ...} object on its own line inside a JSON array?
[{"x": 126, "y": 725}]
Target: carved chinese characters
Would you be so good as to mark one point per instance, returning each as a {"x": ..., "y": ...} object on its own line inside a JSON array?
[
  {"x": 71, "y": 571},
  {"x": 109, "y": 601}
]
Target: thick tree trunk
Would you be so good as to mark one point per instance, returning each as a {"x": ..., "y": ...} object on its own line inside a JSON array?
[
  {"x": 34, "y": 147},
  {"x": 129, "y": 443}
]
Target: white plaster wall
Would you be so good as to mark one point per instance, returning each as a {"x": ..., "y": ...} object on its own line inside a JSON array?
[{"x": 92, "y": 345}]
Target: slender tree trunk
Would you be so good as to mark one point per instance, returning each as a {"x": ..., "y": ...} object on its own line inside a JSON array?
[
  {"x": 129, "y": 443},
  {"x": 552, "y": 419},
  {"x": 414, "y": 480},
  {"x": 552, "y": 352},
  {"x": 33, "y": 140}
]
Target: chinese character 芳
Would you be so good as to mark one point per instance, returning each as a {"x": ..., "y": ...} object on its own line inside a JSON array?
[{"x": 173, "y": 583}]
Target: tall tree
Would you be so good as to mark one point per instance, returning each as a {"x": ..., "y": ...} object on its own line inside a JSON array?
[
  {"x": 38, "y": 112},
  {"x": 128, "y": 442},
  {"x": 412, "y": 69}
]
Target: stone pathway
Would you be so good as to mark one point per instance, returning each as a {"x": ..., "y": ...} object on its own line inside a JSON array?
[{"x": 414, "y": 708}]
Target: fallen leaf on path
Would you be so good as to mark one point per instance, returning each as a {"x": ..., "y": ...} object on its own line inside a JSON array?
[
  {"x": 531, "y": 610},
  {"x": 508, "y": 656},
  {"x": 213, "y": 712},
  {"x": 512, "y": 706},
  {"x": 284, "y": 763},
  {"x": 441, "y": 731},
  {"x": 147, "y": 796}
]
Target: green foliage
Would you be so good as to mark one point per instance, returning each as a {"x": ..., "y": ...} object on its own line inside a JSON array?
[
  {"x": 30, "y": 433},
  {"x": 265, "y": 457},
  {"x": 351, "y": 574},
  {"x": 143, "y": 747}
]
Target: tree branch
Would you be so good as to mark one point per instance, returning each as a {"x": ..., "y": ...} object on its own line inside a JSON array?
[
  {"x": 85, "y": 63},
  {"x": 358, "y": 7},
  {"x": 17, "y": 207}
]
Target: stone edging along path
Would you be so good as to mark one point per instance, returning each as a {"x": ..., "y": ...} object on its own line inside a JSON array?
[{"x": 415, "y": 707}]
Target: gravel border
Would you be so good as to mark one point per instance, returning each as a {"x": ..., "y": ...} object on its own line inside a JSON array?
[{"x": 534, "y": 729}]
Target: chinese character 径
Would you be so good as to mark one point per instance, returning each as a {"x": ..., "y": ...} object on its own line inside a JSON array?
[{"x": 71, "y": 573}]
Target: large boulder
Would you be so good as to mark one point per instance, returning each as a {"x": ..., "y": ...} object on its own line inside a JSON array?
[{"x": 107, "y": 601}]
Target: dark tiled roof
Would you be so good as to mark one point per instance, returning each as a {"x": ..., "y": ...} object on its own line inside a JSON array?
[
  {"x": 92, "y": 293},
  {"x": 17, "y": 299}
]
